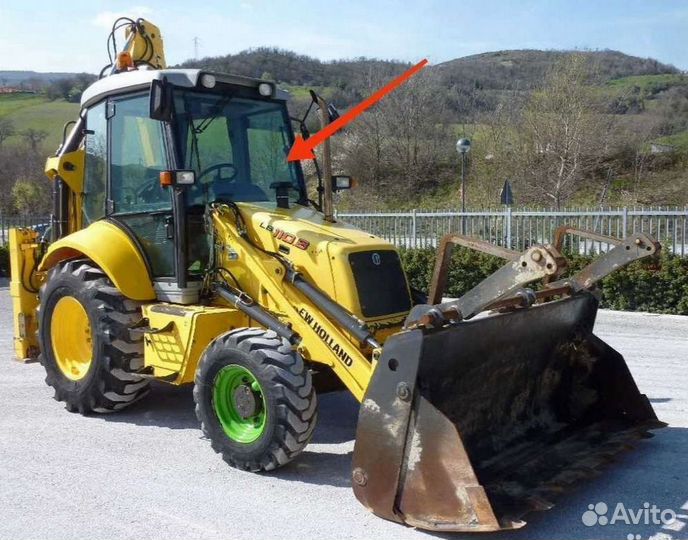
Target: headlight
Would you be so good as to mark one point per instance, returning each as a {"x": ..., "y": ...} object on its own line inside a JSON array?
[
  {"x": 265, "y": 89},
  {"x": 208, "y": 80}
]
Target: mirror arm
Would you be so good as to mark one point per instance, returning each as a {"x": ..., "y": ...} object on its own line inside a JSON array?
[{"x": 305, "y": 134}]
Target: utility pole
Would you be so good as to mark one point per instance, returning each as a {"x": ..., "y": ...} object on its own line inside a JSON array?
[{"x": 196, "y": 42}]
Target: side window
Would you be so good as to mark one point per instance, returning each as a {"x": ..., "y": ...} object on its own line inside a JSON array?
[
  {"x": 137, "y": 157},
  {"x": 93, "y": 206},
  {"x": 267, "y": 146}
]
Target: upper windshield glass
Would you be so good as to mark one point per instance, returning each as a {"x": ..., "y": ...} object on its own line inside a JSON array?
[{"x": 238, "y": 147}]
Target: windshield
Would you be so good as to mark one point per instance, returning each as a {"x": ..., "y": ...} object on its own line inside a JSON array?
[{"x": 238, "y": 147}]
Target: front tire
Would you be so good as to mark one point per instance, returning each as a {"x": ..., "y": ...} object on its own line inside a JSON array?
[
  {"x": 89, "y": 355},
  {"x": 255, "y": 399}
]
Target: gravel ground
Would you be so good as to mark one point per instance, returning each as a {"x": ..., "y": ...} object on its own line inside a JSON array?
[{"x": 148, "y": 473}]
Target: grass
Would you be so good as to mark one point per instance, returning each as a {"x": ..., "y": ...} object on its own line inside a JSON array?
[
  {"x": 301, "y": 92},
  {"x": 677, "y": 140},
  {"x": 646, "y": 84},
  {"x": 464, "y": 129},
  {"x": 30, "y": 111},
  {"x": 13, "y": 102}
]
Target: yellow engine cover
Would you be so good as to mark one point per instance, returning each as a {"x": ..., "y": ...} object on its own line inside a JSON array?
[{"x": 178, "y": 336}]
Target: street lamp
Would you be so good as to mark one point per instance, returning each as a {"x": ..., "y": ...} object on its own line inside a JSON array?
[{"x": 463, "y": 146}]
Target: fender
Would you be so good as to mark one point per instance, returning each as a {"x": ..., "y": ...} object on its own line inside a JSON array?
[{"x": 112, "y": 250}]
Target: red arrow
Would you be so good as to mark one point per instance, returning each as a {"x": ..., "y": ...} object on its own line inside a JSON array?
[{"x": 303, "y": 149}]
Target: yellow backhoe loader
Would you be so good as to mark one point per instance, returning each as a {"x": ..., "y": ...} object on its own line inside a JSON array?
[{"x": 184, "y": 249}]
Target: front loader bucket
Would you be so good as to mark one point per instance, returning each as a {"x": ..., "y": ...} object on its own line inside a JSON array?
[{"x": 471, "y": 426}]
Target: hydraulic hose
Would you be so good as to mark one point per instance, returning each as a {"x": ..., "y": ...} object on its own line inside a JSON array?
[
  {"x": 345, "y": 319},
  {"x": 257, "y": 313}
]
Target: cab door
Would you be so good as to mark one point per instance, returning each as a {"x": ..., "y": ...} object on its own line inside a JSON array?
[{"x": 136, "y": 200}]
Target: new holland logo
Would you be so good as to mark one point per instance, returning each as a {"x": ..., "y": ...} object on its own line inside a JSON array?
[
  {"x": 323, "y": 334},
  {"x": 377, "y": 259}
]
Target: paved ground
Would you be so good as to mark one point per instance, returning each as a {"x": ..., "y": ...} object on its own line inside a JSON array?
[{"x": 147, "y": 473}]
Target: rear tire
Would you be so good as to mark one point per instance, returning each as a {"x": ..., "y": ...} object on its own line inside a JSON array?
[
  {"x": 107, "y": 381},
  {"x": 280, "y": 417}
]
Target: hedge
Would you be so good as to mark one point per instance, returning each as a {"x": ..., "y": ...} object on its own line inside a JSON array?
[
  {"x": 4, "y": 261},
  {"x": 656, "y": 286},
  {"x": 653, "y": 285}
]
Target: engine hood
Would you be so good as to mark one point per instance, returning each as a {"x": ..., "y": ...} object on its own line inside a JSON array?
[{"x": 325, "y": 254}]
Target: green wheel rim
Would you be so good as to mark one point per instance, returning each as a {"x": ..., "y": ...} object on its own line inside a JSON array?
[{"x": 235, "y": 426}]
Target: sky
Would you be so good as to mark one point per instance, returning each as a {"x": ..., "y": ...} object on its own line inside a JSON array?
[{"x": 69, "y": 35}]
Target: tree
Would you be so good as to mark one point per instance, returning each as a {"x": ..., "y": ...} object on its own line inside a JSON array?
[
  {"x": 68, "y": 88},
  {"x": 34, "y": 137},
  {"x": 26, "y": 196},
  {"x": 6, "y": 129},
  {"x": 565, "y": 134},
  {"x": 497, "y": 152},
  {"x": 401, "y": 147},
  {"x": 19, "y": 162}
]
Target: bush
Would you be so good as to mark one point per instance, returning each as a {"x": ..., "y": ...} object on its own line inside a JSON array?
[
  {"x": 659, "y": 286},
  {"x": 467, "y": 269},
  {"x": 653, "y": 285},
  {"x": 4, "y": 261}
]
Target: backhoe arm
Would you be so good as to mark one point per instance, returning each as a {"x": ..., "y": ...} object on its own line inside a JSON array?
[
  {"x": 506, "y": 287},
  {"x": 143, "y": 47}
]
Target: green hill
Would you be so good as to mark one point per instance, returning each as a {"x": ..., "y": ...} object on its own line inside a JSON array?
[
  {"x": 485, "y": 77},
  {"x": 15, "y": 78},
  {"x": 31, "y": 111},
  {"x": 647, "y": 99}
]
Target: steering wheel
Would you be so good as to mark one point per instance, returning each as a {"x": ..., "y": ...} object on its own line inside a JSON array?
[
  {"x": 149, "y": 192},
  {"x": 218, "y": 167}
]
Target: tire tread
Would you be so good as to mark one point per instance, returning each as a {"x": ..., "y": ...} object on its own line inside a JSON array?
[
  {"x": 296, "y": 402},
  {"x": 117, "y": 383}
]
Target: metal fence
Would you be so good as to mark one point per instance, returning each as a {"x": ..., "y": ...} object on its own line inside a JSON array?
[
  {"x": 11, "y": 222},
  {"x": 518, "y": 229}
]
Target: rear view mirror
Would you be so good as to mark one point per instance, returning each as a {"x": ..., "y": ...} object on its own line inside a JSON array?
[
  {"x": 160, "y": 100},
  {"x": 332, "y": 112},
  {"x": 342, "y": 182}
]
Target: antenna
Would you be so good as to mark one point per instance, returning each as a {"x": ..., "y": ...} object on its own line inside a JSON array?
[{"x": 196, "y": 42}]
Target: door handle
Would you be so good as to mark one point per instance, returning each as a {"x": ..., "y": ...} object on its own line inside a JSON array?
[{"x": 169, "y": 228}]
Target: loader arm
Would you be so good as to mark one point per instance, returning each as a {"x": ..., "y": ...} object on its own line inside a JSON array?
[
  {"x": 438, "y": 282},
  {"x": 635, "y": 247},
  {"x": 505, "y": 288},
  {"x": 536, "y": 263},
  {"x": 318, "y": 336}
]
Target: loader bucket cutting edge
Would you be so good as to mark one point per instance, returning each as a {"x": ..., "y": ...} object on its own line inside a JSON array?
[{"x": 472, "y": 426}]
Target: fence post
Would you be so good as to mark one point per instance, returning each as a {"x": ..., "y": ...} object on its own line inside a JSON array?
[
  {"x": 507, "y": 218},
  {"x": 414, "y": 238},
  {"x": 624, "y": 222}
]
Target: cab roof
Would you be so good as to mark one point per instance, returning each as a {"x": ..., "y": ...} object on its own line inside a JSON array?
[{"x": 141, "y": 79}]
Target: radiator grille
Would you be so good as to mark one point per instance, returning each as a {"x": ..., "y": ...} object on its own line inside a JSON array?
[{"x": 380, "y": 283}]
